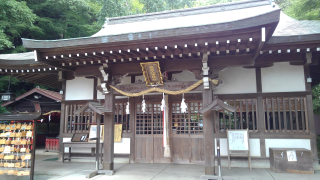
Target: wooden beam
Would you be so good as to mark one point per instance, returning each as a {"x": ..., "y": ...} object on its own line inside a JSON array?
[
  {"x": 191, "y": 64},
  {"x": 38, "y": 57},
  {"x": 173, "y": 86},
  {"x": 261, "y": 43}
]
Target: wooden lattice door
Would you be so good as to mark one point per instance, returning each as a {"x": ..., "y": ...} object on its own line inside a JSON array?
[{"x": 148, "y": 137}]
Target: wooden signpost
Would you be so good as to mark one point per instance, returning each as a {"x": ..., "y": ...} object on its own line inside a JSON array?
[{"x": 238, "y": 144}]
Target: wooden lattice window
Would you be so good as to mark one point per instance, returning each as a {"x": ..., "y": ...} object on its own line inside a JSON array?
[
  {"x": 190, "y": 122},
  {"x": 77, "y": 123},
  {"x": 149, "y": 122},
  {"x": 245, "y": 116},
  {"x": 121, "y": 117},
  {"x": 285, "y": 114}
]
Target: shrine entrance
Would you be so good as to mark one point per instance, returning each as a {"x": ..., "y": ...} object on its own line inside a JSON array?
[
  {"x": 148, "y": 134},
  {"x": 187, "y": 139},
  {"x": 185, "y": 132}
]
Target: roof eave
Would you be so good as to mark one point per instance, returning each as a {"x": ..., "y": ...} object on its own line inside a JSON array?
[
  {"x": 294, "y": 39},
  {"x": 260, "y": 20}
]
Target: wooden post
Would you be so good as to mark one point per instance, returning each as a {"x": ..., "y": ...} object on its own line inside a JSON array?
[
  {"x": 34, "y": 142},
  {"x": 98, "y": 120},
  {"x": 208, "y": 130},
  {"x": 62, "y": 121},
  {"x": 309, "y": 114},
  {"x": 132, "y": 129},
  {"x": 108, "y": 145}
]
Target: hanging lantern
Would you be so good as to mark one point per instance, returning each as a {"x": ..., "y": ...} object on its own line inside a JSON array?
[{"x": 7, "y": 96}]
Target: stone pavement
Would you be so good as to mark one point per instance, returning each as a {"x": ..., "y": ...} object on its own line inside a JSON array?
[{"x": 55, "y": 170}]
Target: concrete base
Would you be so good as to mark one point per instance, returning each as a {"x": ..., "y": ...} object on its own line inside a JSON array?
[
  {"x": 91, "y": 174},
  {"x": 106, "y": 172},
  {"x": 210, "y": 177}
]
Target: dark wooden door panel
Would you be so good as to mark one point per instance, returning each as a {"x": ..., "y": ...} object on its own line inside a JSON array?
[
  {"x": 144, "y": 149},
  {"x": 158, "y": 151},
  {"x": 197, "y": 150},
  {"x": 181, "y": 150}
]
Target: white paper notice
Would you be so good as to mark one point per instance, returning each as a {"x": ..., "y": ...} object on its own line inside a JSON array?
[
  {"x": 292, "y": 156},
  {"x": 238, "y": 140}
]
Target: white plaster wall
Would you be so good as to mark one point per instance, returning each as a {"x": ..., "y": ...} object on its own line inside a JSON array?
[
  {"x": 99, "y": 94},
  {"x": 287, "y": 143},
  {"x": 122, "y": 147},
  {"x": 253, "y": 143},
  {"x": 79, "y": 88},
  {"x": 184, "y": 76},
  {"x": 125, "y": 80},
  {"x": 283, "y": 77},
  {"x": 140, "y": 78},
  {"x": 237, "y": 80}
]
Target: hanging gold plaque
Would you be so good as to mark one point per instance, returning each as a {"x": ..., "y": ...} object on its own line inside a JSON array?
[{"x": 152, "y": 74}]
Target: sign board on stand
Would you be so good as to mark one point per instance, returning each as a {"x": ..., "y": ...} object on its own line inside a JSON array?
[{"x": 238, "y": 144}]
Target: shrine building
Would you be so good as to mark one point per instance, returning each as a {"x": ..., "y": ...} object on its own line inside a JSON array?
[{"x": 247, "y": 54}]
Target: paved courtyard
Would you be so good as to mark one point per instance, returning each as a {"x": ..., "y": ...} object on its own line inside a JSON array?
[{"x": 49, "y": 168}]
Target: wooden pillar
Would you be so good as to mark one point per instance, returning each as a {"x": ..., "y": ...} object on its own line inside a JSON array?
[
  {"x": 260, "y": 111},
  {"x": 108, "y": 146},
  {"x": 62, "y": 119},
  {"x": 98, "y": 120},
  {"x": 309, "y": 113},
  {"x": 208, "y": 130},
  {"x": 132, "y": 129},
  {"x": 33, "y": 149}
]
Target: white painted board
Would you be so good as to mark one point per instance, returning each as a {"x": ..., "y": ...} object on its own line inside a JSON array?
[{"x": 238, "y": 140}]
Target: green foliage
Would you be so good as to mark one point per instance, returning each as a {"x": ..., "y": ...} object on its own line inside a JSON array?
[
  {"x": 301, "y": 9},
  {"x": 316, "y": 99},
  {"x": 304, "y": 9},
  {"x": 14, "y": 18}
]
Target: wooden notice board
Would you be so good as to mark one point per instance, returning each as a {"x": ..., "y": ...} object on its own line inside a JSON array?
[
  {"x": 238, "y": 144},
  {"x": 117, "y": 132},
  {"x": 93, "y": 132}
]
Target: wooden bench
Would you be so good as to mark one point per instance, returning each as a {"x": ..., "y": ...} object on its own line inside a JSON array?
[{"x": 78, "y": 145}]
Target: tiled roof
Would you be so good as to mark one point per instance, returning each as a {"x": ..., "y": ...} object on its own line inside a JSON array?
[
  {"x": 211, "y": 15},
  {"x": 189, "y": 21},
  {"x": 50, "y": 94},
  {"x": 18, "y": 56},
  {"x": 289, "y": 27},
  {"x": 92, "y": 106}
]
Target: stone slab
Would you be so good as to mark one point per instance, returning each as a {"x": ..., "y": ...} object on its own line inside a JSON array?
[
  {"x": 106, "y": 172},
  {"x": 210, "y": 177},
  {"x": 91, "y": 174}
]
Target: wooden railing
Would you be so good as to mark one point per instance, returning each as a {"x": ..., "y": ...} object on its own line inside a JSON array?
[
  {"x": 245, "y": 117},
  {"x": 282, "y": 115}
]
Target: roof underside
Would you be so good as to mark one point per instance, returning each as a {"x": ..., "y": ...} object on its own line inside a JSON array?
[{"x": 19, "y": 116}]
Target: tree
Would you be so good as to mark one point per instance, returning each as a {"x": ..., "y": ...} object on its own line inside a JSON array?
[
  {"x": 117, "y": 8},
  {"x": 301, "y": 9},
  {"x": 14, "y": 18}
]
